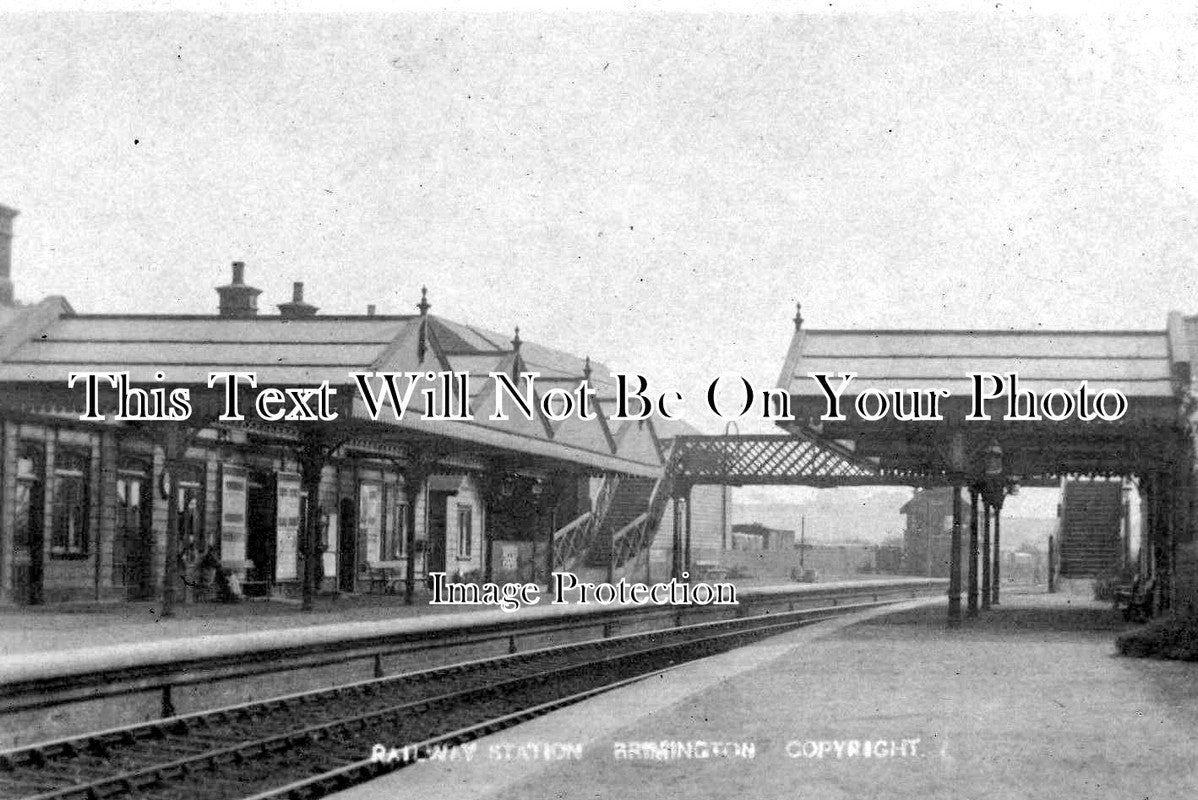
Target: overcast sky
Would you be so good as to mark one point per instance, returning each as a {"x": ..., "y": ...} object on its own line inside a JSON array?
[{"x": 657, "y": 191}]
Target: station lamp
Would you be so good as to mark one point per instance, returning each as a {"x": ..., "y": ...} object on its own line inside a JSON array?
[{"x": 993, "y": 459}]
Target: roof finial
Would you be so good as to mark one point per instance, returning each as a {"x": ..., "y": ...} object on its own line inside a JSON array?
[
  {"x": 586, "y": 369},
  {"x": 422, "y": 340},
  {"x": 516, "y": 341},
  {"x": 798, "y": 316}
]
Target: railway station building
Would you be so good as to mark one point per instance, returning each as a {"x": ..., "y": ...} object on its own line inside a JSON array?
[{"x": 86, "y": 505}]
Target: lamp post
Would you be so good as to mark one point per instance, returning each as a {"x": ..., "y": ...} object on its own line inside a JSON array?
[
  {"x": 729, "y": 426},
  {"x": 802, "y": 544},
  {"x": 995, "y": 489},
  {"x": 992, "y": 487},
  {"x": 929, "y": 539},
  {"x": 956, "y": 472}
]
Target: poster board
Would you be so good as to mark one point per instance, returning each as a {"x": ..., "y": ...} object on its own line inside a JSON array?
[
  {"x": 287, "y": 522},
  {"x": 232, "y": 515},
  {"x": 330, "y": 545},
  {"x": 371, "y": 519}
]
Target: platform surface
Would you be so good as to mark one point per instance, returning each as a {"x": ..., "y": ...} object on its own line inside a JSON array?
[
  {"x": 25, "y": 630},
  {"x": 1028, "y": 701}
]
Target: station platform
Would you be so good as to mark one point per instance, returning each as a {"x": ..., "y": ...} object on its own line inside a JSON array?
[
  {"x": 1028, "y": 700},
  {"x": 33, "y": 629},
  {"x": 82, "y": 626}
]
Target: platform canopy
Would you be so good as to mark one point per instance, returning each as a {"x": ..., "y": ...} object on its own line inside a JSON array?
[
  {"x": 1149, "y": 368},
  {"x": 41, "y": 345}
]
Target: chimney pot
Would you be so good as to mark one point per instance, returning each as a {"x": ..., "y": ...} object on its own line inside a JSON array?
[
  {"x": 238, "y": 301},
  {"x": 297, "y": 308},
  {"x": 370, "y": 310},
  {"x": 6, "y": 288}
]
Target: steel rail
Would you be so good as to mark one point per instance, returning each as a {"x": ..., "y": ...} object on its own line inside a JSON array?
[
  {"x": 370, "y": 768},
  {"x": 137, "y": 781},
  {"x": 367, "y": 769},
  {"x": 41, "y": 753},
  {"x": 156, "y": 673},
  {"x": 102, "y": 743}
]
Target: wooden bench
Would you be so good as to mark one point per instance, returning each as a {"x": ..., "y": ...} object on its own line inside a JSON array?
[{"x": 1137, "y": 599}]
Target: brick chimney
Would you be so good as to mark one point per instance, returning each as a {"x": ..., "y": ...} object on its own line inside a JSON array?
[
  {"x": 297, "y": 308},
  {"x": 6, "y": 290},
  {"x": 238, "y": 301}
]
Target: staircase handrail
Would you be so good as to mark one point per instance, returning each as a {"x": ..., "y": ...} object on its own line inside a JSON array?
[
  {"x": 619, "y": 536},
  {"x": 591, "y": 522},
  {"x": 569, "y": 527},
  {"x": 622, "y": 549}
]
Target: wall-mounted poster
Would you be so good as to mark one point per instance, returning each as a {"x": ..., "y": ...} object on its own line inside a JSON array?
[
  {"x": 287, "y": 527},
  {"x": 510, "y": 558},
  {"x": 330, "y": 545},
  {"x": 232, "y": 516},
  {"x": 370, "y": 523}
]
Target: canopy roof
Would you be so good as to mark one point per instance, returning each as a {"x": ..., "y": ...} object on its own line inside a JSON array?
[
  {"x": 1148, "y": 367},
  {"x": 1136, "y": 363},
  {"x": 40, "y": 345}
]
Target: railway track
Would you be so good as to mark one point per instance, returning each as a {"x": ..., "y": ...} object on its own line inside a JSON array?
[{"x": 313, "y": 743}]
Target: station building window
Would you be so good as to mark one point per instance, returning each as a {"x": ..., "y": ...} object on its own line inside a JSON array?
[
  {"x": 465, "y": 531},
  {"x": 194, "y": 541},
  {"x": 68, "y": 532},
  {"x": 393, "y": 542},
  {"x": 29, "y": 535},
  {"x": 28, "y": 511}
]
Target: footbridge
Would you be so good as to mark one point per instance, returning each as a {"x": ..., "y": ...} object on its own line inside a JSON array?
[{"x": 1037, "y": 371}]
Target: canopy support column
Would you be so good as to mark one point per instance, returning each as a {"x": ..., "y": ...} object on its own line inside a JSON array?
[
  {"x": 972, "y": 601},
  {"x": 687, "y": 552},
  {"x": 987, "y": 589},
  {"x": 997, "y": 577},
  {"x": 173, "y": 442},
  {"x": 313, "y": 454},
  {"x": 414, "y": 478},
  {"x": 954, "y": 564},
  {"x": 174, "y": 437},
  {"x": 676, "y": 543}
]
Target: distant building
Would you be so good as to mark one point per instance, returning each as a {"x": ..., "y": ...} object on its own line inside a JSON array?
[
  {"x": 754, "y": 536},
  {"x": 927, "y": 540},
  {"x": 889, "y": 559},
  {"x": 772, "y": 555}
]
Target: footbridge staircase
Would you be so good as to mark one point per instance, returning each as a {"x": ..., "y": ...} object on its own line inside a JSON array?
[
  {"x": 1091, "y": 528},
  {"x": 626, "y": 515}
]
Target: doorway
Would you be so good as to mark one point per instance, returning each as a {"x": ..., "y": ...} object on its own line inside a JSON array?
[
  {"x": 347, "y": 529},
  {"x": 438, "y": 503},
  {"x": 133, "y": 542},
  {"x": 260, "y": 526},
  {"x": 29, "y": 539}
]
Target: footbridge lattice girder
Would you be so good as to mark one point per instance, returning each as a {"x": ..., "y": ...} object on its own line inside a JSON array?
[
  {"x": 798, "y": 459},
  {"x": 767, "y": 459},
  {"x": 782, "y": 459}
]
